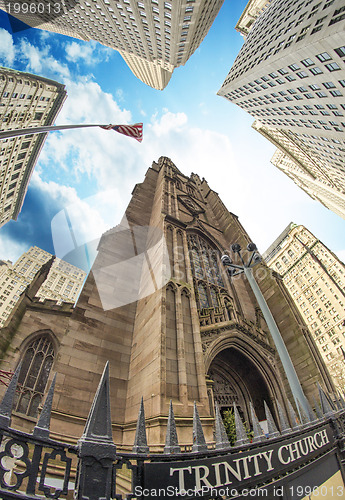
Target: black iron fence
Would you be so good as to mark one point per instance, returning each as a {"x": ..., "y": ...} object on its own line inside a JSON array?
[{"x": 304, "y": 456}]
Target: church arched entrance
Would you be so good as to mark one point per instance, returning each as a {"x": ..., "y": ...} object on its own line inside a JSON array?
[{"x": 237, "y": 379}]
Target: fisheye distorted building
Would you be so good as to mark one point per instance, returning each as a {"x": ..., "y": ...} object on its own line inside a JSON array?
[
  {"x": 290, "y": 76},
  {"x": 154, "y": 37},
  {"x": 315, "y": 278},
  {"x": 177, "y": 328},
  {"x": 26, "y": 100}
]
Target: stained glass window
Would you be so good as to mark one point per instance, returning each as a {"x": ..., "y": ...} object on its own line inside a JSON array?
[
  {"x": 203, "y": 299},
  {"x": 217, "y": 271},
  {"x": 197, "y": 264},
  {"x": 206, "y": 271},
  {"x": 207, "y": 266},
  {"x": 37, "y": 363}
]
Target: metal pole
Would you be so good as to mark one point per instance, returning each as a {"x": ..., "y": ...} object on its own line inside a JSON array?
[
  {"x": 283, "y": 353},
  {"x": 41, "y": 130}
]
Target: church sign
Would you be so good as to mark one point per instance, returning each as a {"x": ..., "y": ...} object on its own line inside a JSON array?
[{"x": 229, "y": 474}]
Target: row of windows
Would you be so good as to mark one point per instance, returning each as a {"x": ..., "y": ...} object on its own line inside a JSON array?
[{"x": 266, "y": 32}]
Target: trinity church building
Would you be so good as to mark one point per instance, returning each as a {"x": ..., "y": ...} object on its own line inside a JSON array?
[{"x": 160, "y": 306}]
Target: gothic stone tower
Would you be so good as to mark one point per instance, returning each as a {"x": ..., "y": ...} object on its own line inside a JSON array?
[{"x": 200, "y": 337}]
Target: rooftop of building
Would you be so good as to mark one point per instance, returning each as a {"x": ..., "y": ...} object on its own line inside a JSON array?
[{"x": 277, "y": 244}]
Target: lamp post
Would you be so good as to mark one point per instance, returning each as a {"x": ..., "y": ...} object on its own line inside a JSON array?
[{"x": 246, "y": 268}]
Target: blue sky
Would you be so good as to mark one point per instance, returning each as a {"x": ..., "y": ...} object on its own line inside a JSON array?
[{"x": 92, "y": 172}]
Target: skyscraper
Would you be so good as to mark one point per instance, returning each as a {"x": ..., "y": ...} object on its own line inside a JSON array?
[
  {"x": 251, "y": 12},
  {"x": 25, "y": 101},
  {"x": 63, "y": 282},
  {"x": 315, "y": 278},
  {"x": 311, "y": 174},
  {"x": 153, "y": 37},
  {"x": 176, "y": 328},
  {"x": 290, "y": 76}
]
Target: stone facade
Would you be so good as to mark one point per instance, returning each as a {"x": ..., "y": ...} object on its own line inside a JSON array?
[
  {"x": 26, "y": 101},
  {"x": 200, "y": 337},
  {"x": 314, "y": 277},
  {"x": 63, "y": 282}
]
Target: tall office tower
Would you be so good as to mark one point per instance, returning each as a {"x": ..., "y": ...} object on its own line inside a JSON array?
[
  {"x": 251, "y": 12},
  {"x": 315, "y": 278},
  {"x": 172, "y": 328},
  {"x": 63, "y": 283},
  {"x": 315, "y": 176},
  {"x": 290, "y": 76},
  {"x": 25, "y": 101},
  {"x": 154, "y": 37}
]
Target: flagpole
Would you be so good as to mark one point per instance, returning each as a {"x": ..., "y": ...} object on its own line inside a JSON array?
[{"x": 41, "y": 130}]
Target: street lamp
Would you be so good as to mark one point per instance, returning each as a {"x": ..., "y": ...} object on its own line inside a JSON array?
[{"x": 246, "y": 268}]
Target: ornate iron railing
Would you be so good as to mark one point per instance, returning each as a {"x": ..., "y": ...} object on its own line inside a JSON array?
[{"x": 34, "y": 466}]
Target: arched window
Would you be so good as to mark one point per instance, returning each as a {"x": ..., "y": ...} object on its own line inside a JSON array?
[
  {"x": 196, "y": 263},
  {"x": 203, "y": 299},
  {"x": 33, "y": 377},
  {"x": 204, "y": 260}
]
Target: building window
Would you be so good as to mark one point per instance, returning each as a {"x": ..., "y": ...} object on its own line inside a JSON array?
[
  {"x": 302, "y": 74},
  {"x": 203, "y": 299},
  {"x": 332, "y": 66},
  {"x": 33, "y": 377},
  {"x": 324, "y": 56},
  {"x": 307, "y": 62},
  {"x": 206, "y": 272},
  {"x": 316, "y": 70},
  {"x": 340, "y": 51}
]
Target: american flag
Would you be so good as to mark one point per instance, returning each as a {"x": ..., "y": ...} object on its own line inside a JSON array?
[{"x": 135, "y": 131}]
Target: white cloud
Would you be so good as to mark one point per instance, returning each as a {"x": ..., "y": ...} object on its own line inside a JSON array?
[
  {"x": 76, "y": 51},
  {"x": 120, "y": 95},
  {"x": 7, "y": 49},
  {"x": 10, "y": 249},
  {"x": 38, "y": 60},
  {"x": 168, "y": 123},
  {"x": 90, "y": 53}
]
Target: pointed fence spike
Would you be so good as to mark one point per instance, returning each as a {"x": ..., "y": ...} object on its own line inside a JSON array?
[
  {"x": 258, "y": 432},
  {"x": 272, "y": 428},
  {"x": 222, "y": 440},
  {"x": 199, "y": 443},
  {"x": 98, "y": 423},
  {"x": 341, "y": 399},
  {"x": 241, "y": 434},
  {"x": 41, "y": 429},
  {"x": 337, "y": 401},
  {"x": 303, "y": 415},
  {"x": 284, "y": 424},
  {"x": 317, "y": 409},
  {"x": 171, "y": 440},
  {"x": 331, "y": 402},
  {"x": 8, "y": 399},
  {"x": 293, "y": 417},
  {"x": 311, "y": 414},
  {"x": 326, "y": 408},
  {"x": 140, "y": 440},
  {"x": 96, "y": 449}
]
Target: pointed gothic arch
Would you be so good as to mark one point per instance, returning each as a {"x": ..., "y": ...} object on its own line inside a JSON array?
[
  {"x": 38, "y": 353},
  {"x": 240, "y": 364}
]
